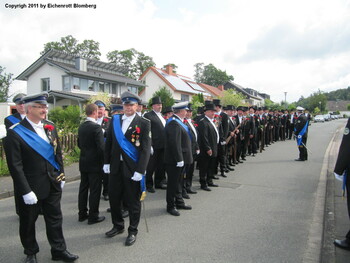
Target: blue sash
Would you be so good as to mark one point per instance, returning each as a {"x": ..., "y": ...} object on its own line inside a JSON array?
[
  {"x": 126, "y": 146},
  {"x": 38, "y": 144},
  {"x": 187, "y": 129},
  {"x": 345, "y": 178},
  {"x": 13, "y": 119},
  {"x": 301, "y": 133}
]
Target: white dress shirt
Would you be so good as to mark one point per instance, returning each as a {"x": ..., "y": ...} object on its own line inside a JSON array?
[
  {"x": 192, "y": 127},
  {"x": 39, "y": 129}
]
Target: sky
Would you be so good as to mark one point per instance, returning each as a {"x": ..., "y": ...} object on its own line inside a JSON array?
[{"x": 272, "y": 46}]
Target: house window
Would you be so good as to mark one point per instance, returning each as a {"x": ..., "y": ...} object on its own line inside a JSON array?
[
  {"x": 91, "y": 85},
  {"x": 107, "y": 88},
  {"x": 83, "y": 84},
  {"x": 114, "y": 89},
  {"x": 66, "y": 83},
  {"x": 76, "y": 84},
  {"x": 101, "y": 86},
  {"x": 185, "y": 97},
  {"x": 45, "y": 84},
  {"x": 133, "y": 90}
]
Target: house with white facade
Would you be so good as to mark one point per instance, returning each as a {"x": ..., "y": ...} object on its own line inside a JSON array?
[
  {"x": 182, "y": 88},
  {"x": 72, "y": 80},
  {"x": 252, "y": 97}
]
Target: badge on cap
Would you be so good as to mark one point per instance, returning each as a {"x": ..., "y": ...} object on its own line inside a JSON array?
[{"x": 346, "y": 131}]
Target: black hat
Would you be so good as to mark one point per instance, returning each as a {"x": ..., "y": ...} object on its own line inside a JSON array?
[
  {"x": 240, "y": 108},
  {"x": 207, "y": 102},
  {"x": 217, "y": 102},
  {"x": 189, "y": 106},
  {"x": 209, "y": 107},
  {"x": 230, "y": 107},
  {"x": 224, "y": 108},
  {"x": 100, "y": 103},
  {"x": 168, "y": 109},
  {"x": 265, "y": 108},
  {"x": 259, "y": 109},
  {"x": 116, "y": 107},
  {"x": 130, "y": 98},
  {"x": 252, "y": 107},
  {"x": 156, "y": 100},
  {"x": 200, "y": 110},
  {"x": 18, "y": 98},
  {"x": 40, "y": 98}
]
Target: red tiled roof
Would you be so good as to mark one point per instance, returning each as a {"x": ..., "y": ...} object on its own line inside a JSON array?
[{"x": 212, "y": 90}]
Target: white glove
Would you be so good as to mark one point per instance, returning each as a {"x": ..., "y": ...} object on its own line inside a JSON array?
[
  {"x": 152, "y": 150},
  {"x": 198, "y": 151},
  {"x": 136, "y": 177},
  {"x": 30, "y": 198},
  {"x": 338, "y": 177},
  {"x": 62, "y": 184},
  {"x": 180, "y": 164},
  {"x": 106, "y": 168},
  {"x": 223, "y": 143}
]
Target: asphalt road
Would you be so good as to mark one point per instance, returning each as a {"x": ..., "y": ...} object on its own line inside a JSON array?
[{"x": 265, "y": 211}]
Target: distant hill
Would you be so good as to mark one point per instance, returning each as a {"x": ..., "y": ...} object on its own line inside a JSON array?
[{"x": 340, "y": 94}]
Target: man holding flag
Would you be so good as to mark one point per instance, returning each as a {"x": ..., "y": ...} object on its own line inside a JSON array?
[
  {"x": 300, "y": 132},
  {"x": 127, "y": 152}
]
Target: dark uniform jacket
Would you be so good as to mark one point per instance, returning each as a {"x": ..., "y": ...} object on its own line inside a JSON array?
[
  {"x": 157, "y": 130},
  {"x": 207, "y": 137},
  {"x": 29, "y": 170},
  {"x": 113, "y": 149},
  {"x": 224, "y": 124},
  {"x": 91, "y": 144},
  {"x": 177, "y": 146},
  {"x": 343, "y": 160},
  {"x": 8, "y": 123},
  {"x": 299, "y": 125}
]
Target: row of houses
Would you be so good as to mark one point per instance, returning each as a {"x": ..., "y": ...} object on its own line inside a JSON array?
[{"x": 72, "y": 80}]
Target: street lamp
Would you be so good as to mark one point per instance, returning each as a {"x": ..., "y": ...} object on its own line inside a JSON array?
[{"x": 285, "y": 98}]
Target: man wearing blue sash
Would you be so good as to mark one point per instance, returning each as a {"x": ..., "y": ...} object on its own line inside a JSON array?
[
  {"x": 300, "y": 131},
  {"x": 177, "y": 154},
  {"x": 35, "y": 161},
  {"x": 19, "y": 115},
  {"x": 127, "y": 151}
]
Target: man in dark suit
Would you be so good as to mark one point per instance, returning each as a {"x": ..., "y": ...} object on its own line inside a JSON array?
[
  {"x": 35, "y": 161},
  {"x": 19, "y": 115},
  {"x": 91, "y": 144},
  {"x": 177, "y": 154},
  {"x": 342, "y": 168},
  {"x": 104, "y": 122},
  {"x": 208, "y": 146},
  {"x": 240, "y": 120},
  {"x": 301, "y": 128},
  {"x": 127, "y": 153},
  {"x": 156, "y": 162}
]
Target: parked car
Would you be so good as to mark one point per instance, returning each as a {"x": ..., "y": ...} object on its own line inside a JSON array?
[
  {"x": 319, "y": 118},
  {"x": 327, "y": 117}
]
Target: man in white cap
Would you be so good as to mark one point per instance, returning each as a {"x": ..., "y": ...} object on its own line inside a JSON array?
[
  {"x": 300, "y": 131},
  {"x": 35, "y": 161}
]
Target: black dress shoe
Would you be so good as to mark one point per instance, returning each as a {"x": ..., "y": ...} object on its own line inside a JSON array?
[
  {"x": 240, "y": 161},
  {"x": 125, "y": 213},
  {"x": 114, "y": 231},
  {"x": 223, "y": 175},
  {"x": 190, "y": 191},
  {"x": 299, "y": 160},
  {"x": 108, "y": 209},
  {"x": 96, "y": 220},
  {"x": 130, "y": 240},
  {"x": 64, "y": 256},
  {"x": 106, "y": 197},
  {"x": 31, "y": 259},
  {"x": 344, "y": 244},
  {"x": 216, "y": 177},
  {"x": 151, "y": 190},
  {"x": 213, "y": 185},
  {"x": 230, "y": 168},
  {"x": 205, "y": 188},
  {"x": 244, "y": 159},
  {"x": 227, "y": 170},
  {"x": 186, "y": 196},
  {"x": 173, "y": 211},
  {"x": 161, "y": 186},
  {"x": 184, "y": 207},
  {"x": 82, "y": 218}
]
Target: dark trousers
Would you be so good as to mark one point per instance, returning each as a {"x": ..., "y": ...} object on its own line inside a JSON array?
[
  {"x": 92, "y": 182},
  {"x": 189, "y": 170},
  {"x": 174, "y": 186},
  {"x": 123, "y": 188},
  {"x": 239, "y": 151},
  {"x": 105, "y": 184},
  {"x": 302, "y": 149},
  {"x": 206, "y": 169},
  {"x": 28, "y": 215},
  {"x": 221, "y": 158},
  {"x": 156, "y": 166}
]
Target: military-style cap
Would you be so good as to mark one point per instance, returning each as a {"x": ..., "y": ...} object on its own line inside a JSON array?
[
  {"x": 156, "y": 100},
  {"x": 40, "y": 98},
  {"x": 299, "y": 108},
  {"x": 100, "y": 103},
  {"x": 168, "y": 109},
  {"x": 240, "y": 108},
  {"x": 209, "y": 107},
  {"x": 18, "y": 98},
  {"x": 230, "y": 107},
  {"x": 129, "y": 98},
  {"x": 116, "y": 107},
  {"x": 217, "y": 102},
  {"x": 181, "y": 105}
]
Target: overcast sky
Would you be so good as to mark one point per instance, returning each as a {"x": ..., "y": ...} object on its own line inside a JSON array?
[{"x": 273, "y": 46}]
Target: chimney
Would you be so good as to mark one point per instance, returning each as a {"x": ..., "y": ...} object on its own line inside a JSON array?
[
  {"x": 80, "y": 64},
  {"x": 169, "y": 69},
  {"x": 221, "y": 87}
]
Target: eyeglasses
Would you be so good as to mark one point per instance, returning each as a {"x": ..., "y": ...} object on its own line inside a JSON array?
[{"x": 40, "y": 107}]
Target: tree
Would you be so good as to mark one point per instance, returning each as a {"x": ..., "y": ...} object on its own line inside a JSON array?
[
  {"x": 69, "y": 44},
  {"x": 67, "y": 120},
  {"x": 271, "y": 105},
  {"x": 165, "y": 97},
  {"x": 317, "y": 99},
  {"x": 230, "y": 97},
  {"x": 5, "y": 82},
  {"x": 211, "y": 75},
  {"x": 197, "y": 101},
  {"x": 104, "y": 97},
  {"x": 348, "y": 107},
  {"x": 134, "y": 61}
]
